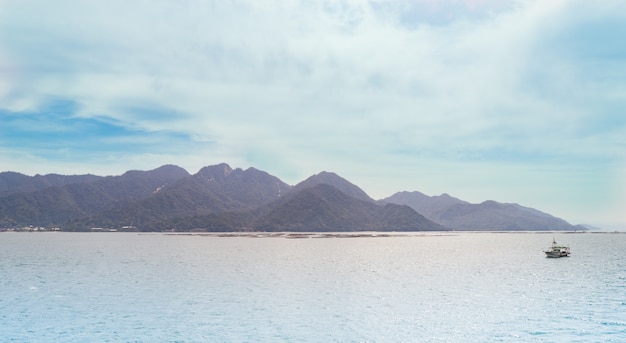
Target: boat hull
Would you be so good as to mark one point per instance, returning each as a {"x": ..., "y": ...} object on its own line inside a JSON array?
[{"x": 556, "y": 254}]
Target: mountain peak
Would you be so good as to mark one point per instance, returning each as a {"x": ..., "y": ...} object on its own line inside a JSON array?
[
  {"x": 167, "y": 171},
  {"x": 336, "y": 181},
  {"x": 171, "y": 171},
  {"x": 323, "y": 207},
  {"x": 215, "y": 172}
]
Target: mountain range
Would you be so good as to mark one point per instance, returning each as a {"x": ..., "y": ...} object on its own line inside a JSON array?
[
  {"x": 220, "y": 198},
  {"x": 488, "y": 215}
]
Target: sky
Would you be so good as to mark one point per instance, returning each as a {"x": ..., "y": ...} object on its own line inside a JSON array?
[{"x": 513, "y": 101}]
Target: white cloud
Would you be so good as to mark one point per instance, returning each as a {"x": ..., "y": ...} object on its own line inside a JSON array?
[{"x": 398, "y": 88}]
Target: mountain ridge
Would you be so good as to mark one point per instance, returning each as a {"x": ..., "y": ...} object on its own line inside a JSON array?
[
  {"x": 221, "y": 198},
  {"x": 489, "y": 215}
]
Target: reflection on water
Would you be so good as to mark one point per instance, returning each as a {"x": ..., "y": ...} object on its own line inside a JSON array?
[{"x": 323, "y": 287}]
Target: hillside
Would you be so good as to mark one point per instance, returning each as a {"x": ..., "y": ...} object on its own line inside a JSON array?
[
  {"x": 487, "y": 216},
  {"x": 426, "y": 205},
  {"x": 11, "y": 182},
  {"x": 336, "y": 181},
  {"x": 220, "y": 198},
  {"x": 323, "y": 207},
  {"x": 61, "y": 205},
  {"x": 212, "y": 191}
]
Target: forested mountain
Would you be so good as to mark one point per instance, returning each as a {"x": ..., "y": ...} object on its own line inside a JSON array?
[
  {"x": 12, "y": 182},
  {"x": 336, "y": 181},
  {"x": 213, "y": 190},
  {"x": 426, "y": 205},
  {"x": 60, "y": 205},
  {"x": 322, "y": 207},
  {"x": 219, "y": 198},
  {"x": 311, "y": 207}
]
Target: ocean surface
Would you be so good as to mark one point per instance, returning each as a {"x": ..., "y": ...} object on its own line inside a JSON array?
[{"x": 417, "y": 287}]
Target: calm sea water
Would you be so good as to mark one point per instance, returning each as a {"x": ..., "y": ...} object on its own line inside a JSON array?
[{"x": 467, "y": 287}]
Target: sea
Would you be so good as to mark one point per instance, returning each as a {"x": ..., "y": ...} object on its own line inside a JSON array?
[{"x": 282, "y": 287}]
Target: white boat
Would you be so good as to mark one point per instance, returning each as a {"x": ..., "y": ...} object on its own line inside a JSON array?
[{"x": 557, "y": 250}]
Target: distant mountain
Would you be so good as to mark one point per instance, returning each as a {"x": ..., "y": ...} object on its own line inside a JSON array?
[
  {"x": 489, "y": 215},
  {"x": 336, "y": 181},
  {"x": 244, "y": 188},
  {"x": 60, "y": 205},
  {"x": 323, "y": 207},
  {"x": 426, "y": 205},
  {"x": 592, "y": 227},
  {"x": 220, "y": 198},
  {"x": 310, "y": 206},
  {"x": 11, "y": 182},
  {"x": 214, "y": 189}
]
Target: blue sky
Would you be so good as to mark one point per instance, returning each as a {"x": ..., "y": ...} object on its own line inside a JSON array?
[{"x": 515, "y": 101}]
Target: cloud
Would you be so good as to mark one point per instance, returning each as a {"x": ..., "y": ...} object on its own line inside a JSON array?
[{"x": 530, "y": 89}]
